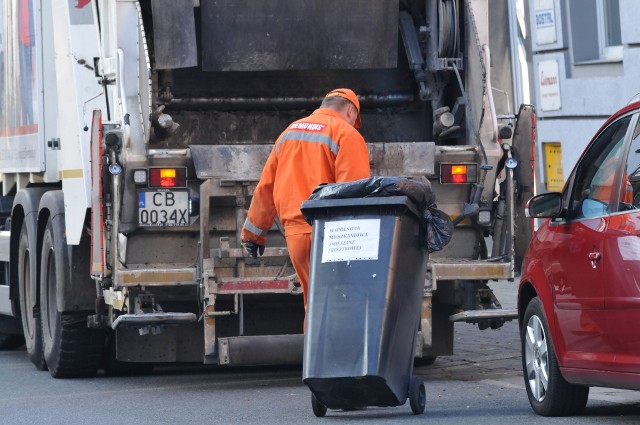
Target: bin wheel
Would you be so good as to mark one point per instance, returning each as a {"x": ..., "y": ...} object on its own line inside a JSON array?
[
  {"x": 319, "y": 409},
  {"x": 417, "y": 395},
  {"x": 424, "y": 361}
]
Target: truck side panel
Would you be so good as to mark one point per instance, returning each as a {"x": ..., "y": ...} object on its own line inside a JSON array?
[
  {"x": 76, "y": 45},
  {"x": 21, "y": 149}
]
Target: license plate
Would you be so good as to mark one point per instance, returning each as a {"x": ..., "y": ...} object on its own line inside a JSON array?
[{"x": 163, "y": 208}]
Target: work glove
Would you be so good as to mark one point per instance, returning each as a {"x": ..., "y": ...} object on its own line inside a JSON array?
[{"x": 252, "y": 248}]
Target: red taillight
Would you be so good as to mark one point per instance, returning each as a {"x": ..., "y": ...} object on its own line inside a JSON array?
[
  {"x": 167, "y": 177},
  {"x": 458, "y": 173}
]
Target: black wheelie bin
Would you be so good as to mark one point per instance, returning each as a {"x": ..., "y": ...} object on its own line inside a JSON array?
[{"x": 366, "y": 285}]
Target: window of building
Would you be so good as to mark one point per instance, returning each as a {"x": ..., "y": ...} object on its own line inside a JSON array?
[
  {"x": 609, "y": 34},
  {"x": 595, "y": 30}
]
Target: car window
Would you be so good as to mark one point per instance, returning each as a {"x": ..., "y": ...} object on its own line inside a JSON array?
[
  {"x": 595, "y": 175},
  {"x": 630, "y": 190}
]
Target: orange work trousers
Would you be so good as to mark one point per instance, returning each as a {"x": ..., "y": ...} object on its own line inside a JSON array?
[{"x": 300, "y": 253}]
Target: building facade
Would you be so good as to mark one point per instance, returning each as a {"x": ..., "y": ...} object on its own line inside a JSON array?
[{"x": 584, "y": 65}]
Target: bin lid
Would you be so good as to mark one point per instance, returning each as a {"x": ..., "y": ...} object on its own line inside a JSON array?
[{"x": 309, "y": 208}]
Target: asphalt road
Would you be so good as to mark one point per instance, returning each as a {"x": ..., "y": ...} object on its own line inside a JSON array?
[{"x": 480, "y": 384}]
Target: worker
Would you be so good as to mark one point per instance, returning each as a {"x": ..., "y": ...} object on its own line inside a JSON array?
[
  {"x": 602, "y": 184},
  {"x": 324, "y": 147}
]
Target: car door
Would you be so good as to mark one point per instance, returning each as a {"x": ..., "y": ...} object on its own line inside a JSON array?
[
  {"x": 575, "y": 271},
  {"x": 621, "y": 261}
]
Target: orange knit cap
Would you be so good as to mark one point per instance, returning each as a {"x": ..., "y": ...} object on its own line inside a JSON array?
[{"x": 351, "y": 97}]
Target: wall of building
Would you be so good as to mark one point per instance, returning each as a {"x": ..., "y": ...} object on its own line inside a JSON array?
[{"x": 589, "y": 84}]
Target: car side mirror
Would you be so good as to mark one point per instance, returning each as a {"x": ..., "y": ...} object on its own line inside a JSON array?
[{"x": 544, "y": 205}]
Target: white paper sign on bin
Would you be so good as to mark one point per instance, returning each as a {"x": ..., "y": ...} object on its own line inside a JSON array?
[{"x": 349, "y": 240}]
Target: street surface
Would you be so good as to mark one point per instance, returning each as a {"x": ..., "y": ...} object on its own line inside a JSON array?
[{"x": 481, "y": 384}]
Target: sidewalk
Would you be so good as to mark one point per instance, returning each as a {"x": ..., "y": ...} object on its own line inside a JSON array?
[{"x": 483, "y": 354}]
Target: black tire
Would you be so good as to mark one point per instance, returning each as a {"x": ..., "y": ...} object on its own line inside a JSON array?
[
  {"x": 319, "y": 409},
  {"x": 10, "y": 341},
  {"x": 31, "y": 326},
  {"x": 555, "y": 397},
  {"x": 417, "y": 395},
  {"x": 71, "y": 349}
]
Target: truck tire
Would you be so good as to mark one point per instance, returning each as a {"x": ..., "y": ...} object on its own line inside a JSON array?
[
  {"x": 71, "y": 349},
  {"x": 31, "y": 325},
  {"x": 10, "y": 341}
]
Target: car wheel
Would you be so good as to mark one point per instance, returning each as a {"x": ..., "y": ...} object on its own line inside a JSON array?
[{"x": 549, "y": 394}]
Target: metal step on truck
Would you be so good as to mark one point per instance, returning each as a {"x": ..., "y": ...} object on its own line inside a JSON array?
[{"x": 132, "y": 136}]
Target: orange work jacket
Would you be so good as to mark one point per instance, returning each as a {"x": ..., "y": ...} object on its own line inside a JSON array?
[{"x": 322, "y": 148}]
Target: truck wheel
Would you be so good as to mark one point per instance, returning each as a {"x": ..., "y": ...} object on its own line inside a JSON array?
[
  {"x": 417, "y": 395},
  {"x": 31, "y": 326},
  {"x": 70, "y": 348},
  {"x": 549, "y": 394},
  {"x": 319, "y": 409},
  {"x": 10, "y": 341}
]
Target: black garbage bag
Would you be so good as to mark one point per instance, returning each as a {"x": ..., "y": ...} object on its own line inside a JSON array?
[
  {"x": 439, "y": 229},
  {"x": 438, "y": 225},
  {"x": 378, "y": 186}
]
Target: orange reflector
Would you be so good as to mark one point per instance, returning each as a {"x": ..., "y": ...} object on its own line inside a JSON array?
[
  {"x": 167, "y": 177},
  {"x": 458, "y": 169},
  {"x": 458, "y": 173},
  {"x": 167, "y": 173}
]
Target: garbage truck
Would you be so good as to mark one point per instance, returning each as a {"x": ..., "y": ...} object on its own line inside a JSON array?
[{"x": 133, "y": 134}]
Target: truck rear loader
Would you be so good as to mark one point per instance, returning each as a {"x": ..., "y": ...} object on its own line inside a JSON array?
[{"x": 132, "y": 136}]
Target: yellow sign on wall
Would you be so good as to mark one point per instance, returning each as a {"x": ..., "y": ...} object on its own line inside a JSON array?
[{"x": 553, "y": 163}]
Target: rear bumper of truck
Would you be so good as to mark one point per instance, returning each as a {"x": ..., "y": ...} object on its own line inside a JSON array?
[{"x": 462, "y": 269}]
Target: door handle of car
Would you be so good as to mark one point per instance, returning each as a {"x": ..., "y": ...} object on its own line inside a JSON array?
[{"x": 594, "y": 257}]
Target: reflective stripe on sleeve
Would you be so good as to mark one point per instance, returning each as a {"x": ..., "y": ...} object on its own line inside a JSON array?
[
  {"x": 254, "y": 229},
  {"x": 309, "y": 137}
]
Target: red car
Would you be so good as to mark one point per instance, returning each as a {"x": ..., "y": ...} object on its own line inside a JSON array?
[{"x": 579, "y": 294}]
